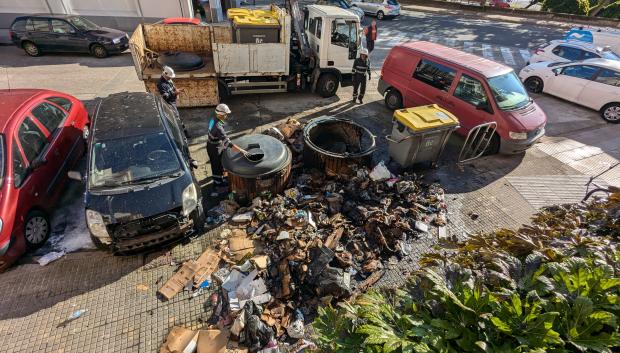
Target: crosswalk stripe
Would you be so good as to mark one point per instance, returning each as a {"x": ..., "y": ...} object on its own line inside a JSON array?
[
  {"x": 487, "y": 51},
  {"x": 507, "y": 54},
  {"x": 468, "y": 47},
  {"x": 525, "y": 54}
]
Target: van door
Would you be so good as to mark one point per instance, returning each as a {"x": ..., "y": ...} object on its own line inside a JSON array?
[
  {"x": 470, "y": 102},
  {"x": 343, "y": 45},
  {"x": 430, "y": 84}
]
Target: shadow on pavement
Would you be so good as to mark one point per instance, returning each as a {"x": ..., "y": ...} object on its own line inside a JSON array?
[{"x": 12, "y": 56}]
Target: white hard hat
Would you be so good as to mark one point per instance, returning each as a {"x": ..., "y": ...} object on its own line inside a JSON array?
[
  {"x": 222, "y": 109},
  {"x": 169, "y": 72},
  {"x": 364, "y": 51}
]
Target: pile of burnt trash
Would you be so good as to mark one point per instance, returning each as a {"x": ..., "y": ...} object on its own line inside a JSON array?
[{"x": 324, "y": 240}]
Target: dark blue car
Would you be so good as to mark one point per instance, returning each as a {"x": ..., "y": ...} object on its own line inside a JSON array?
[{"x": 66, "y": 33}]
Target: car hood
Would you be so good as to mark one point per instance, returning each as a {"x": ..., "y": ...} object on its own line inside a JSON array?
[
  {"x": 108, "y": 33},
  {"x": 147, "y": 201},
  {"x": 528, "y": 118}
]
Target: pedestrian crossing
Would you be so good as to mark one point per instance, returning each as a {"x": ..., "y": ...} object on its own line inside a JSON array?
[{"x": 511, "y": 56}]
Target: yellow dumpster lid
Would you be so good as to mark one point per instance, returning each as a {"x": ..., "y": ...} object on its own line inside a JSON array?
[
  {"x": 265, "y": 13},
  {"x": 255, "y": 21},
  {"x": 425, "y": 117},
  {"x": 236, "y": 11}
]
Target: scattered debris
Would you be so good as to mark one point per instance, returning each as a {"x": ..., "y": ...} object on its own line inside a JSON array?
[
  {"x": 74, "y": 316},
  {"x": 50, "y": 257},
  {"x": 180, "y": 340},
  {"x": 191, "y": 274}
]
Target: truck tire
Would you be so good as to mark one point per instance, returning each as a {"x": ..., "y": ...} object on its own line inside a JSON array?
[{"x": 327, "y": 86}]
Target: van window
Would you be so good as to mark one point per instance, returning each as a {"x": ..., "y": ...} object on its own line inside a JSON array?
[
  {"x": 508, "y": 91},
  {"x": 434, "y": 74},
  {"x": 312, "y": 25},
  {"x": 471, "y": 91},
  {"x": 319, "y": 27},
  {"x": 580, "y": 71},
  {"x": 19, "y": 167},
  {"x": 40, "y": 25},
  {"x": 609, "y": 77}
]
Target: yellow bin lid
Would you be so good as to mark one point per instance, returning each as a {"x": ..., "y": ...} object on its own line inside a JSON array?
[
  {"x": 236, "y": 11},
  {"x": 256, "y": 21},
  {"x": 265, "y": 13},
  {"x": 425, "y": 117}
]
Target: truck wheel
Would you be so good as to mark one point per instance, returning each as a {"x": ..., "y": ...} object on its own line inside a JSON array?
[
  {"x": 327, "y": 85},
  {"x": 222, "y": 90},
  {"x": 31, "y": 49},
  {"x": 393, "y": 100},
  {"x": 380, "y": 15}
]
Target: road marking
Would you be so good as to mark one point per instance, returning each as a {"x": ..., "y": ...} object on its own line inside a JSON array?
[
  {"x": 525, "y": 54},
  {"x": 507, "y": 54},
  {"x": 468, "y": 47},
  {"x": 487, "y": 51}
]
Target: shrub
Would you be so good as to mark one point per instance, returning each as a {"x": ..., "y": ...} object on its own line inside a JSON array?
[{"x": 575, "y": 7}]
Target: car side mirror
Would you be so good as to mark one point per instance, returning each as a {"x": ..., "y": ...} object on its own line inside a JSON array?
[
  {"x": 38, "y": 162},
  {"x": 75, "y": 175},
  {"x": 556, "y": 72}
]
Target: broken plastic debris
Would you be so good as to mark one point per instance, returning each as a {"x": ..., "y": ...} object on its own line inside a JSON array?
[
  {"x": 283, "y": 235},
  {"x": 380, "y": 172},
  {"x": 74, "y": 316},
  {"x": 421, "y": 226},
  {"x": 243, "y": 217},
  {"x": 50, "y": 257},
  {"x": 296, "y": 328},
  {"x": 231, "y": 282}
]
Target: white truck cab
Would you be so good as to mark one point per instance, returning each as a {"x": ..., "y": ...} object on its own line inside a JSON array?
[{"x": 334, "y": 35}]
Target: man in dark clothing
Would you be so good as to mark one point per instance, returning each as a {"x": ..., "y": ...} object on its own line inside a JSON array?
[
  {"x": 166, "y": 88},
  {"x": 361, "y": 68},
  {"x": 371, "y": 36},
  {"x": 217, "y": 143}
]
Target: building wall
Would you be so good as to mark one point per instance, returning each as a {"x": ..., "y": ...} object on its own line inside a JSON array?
[{"x": 120, "y": 14}]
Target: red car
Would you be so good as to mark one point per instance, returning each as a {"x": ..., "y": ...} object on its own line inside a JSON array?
[
  {"x": 179, "y": 21},
  {"x": 504, "y": 4},
  {"x": 41, "y": 137}
]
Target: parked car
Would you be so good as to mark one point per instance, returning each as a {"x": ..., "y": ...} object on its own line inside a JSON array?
[
  {"x": 474, "y": 89},
  {"x": 503, "y": 4},
  {"x": 594, "y": 83},
  {"x": 570, "y": 50},
  {"x": 140, "y": 185},
  {"x": 379, "y": 8},
  {"x": 344, "y": 4},
  {"x": 180, "y": 21},
  {"x": 601, "y": 37},
  {"x": 37, "y": 34},
  {"x": 41, "y": 139}
]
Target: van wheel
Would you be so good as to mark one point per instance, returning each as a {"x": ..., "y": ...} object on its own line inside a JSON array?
[
  {"x": 98, "y": 51},
  {"x": 611, "y": 113},
  {"x": 534, "y": 84},
  {"x": 393, "y": 100},
  {"x": 380, "y": 15},
  {"x": 327, "y": 85},
  {"x": 31, "y": 49},
  {"x": 36, "y": 229},
  {"x": 494, "y": 145}
]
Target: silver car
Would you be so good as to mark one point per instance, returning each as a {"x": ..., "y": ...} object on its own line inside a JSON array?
[{"x": 379, "y": 8}]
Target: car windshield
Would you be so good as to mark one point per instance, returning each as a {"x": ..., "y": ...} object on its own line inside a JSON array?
[
  {"x": 392, "y": 2},
  {"x": 508, "y": 91},
  {"x": 132, "y": 160},
  {"x": 610, "y": 55},
  {"x": 83, "y": 24}
]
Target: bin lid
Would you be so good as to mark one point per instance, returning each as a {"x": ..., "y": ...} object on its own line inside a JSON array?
[
  {"x": 236, "y": 11},
  {"x": 425, "y": 117},
  {"x": 266, "y": 155},
  {"x": 249, "y": 21},
  {"x": 265, "y": 13}
]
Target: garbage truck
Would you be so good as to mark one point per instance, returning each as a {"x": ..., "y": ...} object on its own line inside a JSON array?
[{"x": 256, "y": 51}]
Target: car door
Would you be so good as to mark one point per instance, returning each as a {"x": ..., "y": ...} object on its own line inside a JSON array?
[
  {"x": 39, "y": 33},
  {"x": 569, "y": 81},
  {"x": 66, "y": 37},
  {"x": 470, "y": 103},
  {"x": 605, "y": 88},
  {"x": 64, "y": 140},
  {"x": 430, "y": 83}
]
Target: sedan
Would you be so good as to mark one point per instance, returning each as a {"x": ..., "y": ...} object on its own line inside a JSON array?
[
  {"x": 66, "y": 33},
  {"x": 594, "y": 83},
  {"x": 379, "y": 8},
  {"x": 571, "y": 50},
  {"x": 42, "y": 137}
]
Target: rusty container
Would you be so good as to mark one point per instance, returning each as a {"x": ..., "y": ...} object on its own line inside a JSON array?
[
  {"x": 331, "y": 144},
  {"x": 266, "y": 171}
]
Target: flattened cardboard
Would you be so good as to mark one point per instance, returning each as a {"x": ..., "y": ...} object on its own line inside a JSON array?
[
  {"x": 178, "y": 340},
  {"x": 208, "y": 262},
  {"x": 179, "y": 280},
  {"x": 213, "y": 341}
]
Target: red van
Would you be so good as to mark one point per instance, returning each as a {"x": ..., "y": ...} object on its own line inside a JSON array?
[
  {"x": 475, "y": 89},
  {"x": 41, "y": 137}
]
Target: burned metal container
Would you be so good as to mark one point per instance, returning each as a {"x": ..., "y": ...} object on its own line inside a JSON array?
[
  {"x": 331, "y": 144},
  {"x": 266, "y": 169}
]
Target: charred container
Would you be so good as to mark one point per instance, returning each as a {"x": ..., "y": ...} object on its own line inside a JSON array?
[
  {"x": 331, "y": 144},
  {"x": 266, "y": 169}
]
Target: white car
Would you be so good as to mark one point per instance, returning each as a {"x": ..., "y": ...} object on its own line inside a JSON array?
[
  {"x": 343, "y": 4},
  {"x": 594, "y": 83},
  {"x": 379, "y": 8},
  {"x": 571, "y": 50}
]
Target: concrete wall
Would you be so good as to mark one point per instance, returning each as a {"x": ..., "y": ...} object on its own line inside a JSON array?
[{"x": 120, "y": 14}]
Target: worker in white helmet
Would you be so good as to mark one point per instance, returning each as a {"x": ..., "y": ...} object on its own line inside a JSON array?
[
  {"x": 361, "y": 68},
  {"x": 166, "y": 88},
  {"x": 217, "y": 142}
]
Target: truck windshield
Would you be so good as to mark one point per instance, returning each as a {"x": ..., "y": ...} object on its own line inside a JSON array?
[
  {"x": 83, "y": 24},
  {"x": 508, "y": 91},
  {"x": 132, "y": 160}
]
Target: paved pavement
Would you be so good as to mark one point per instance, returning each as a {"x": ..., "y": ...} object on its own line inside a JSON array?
[{"x": 118, "y": 292}]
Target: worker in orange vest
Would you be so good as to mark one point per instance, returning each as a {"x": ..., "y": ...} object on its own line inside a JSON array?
[{"x": 371, "y": 36}]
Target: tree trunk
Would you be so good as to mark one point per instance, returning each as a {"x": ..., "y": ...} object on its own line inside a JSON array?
[
  {"x": 602, "y": 4},
  {"x": 532, "y": 3}
]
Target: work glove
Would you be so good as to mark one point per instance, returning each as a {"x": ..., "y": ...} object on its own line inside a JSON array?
[{"x": 369, "y": 76}]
